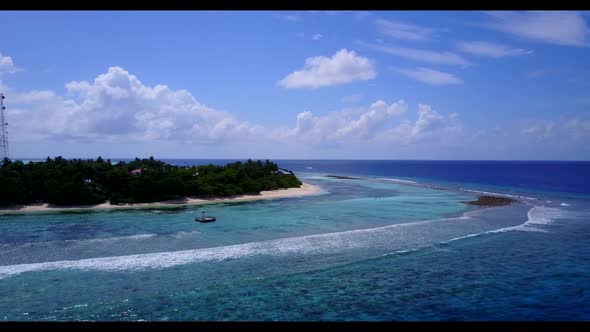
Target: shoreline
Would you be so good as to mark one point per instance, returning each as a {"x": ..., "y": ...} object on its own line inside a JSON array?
[{"x": 306, "y": 189}]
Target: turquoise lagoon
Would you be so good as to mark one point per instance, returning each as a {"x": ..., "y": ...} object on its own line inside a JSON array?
[{"x": 364, "y": 249}]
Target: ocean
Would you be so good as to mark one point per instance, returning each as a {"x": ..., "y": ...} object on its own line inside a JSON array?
[{"x": 394, "y": 244}]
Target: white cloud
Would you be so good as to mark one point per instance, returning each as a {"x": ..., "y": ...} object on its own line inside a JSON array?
[
  {"x": 7, "y": 66},
  {"x": 553, "y": 27},
  {"x": 402, "y": 30},
  {"x": 360, "y": 123},
  {"x": 428, "y": 120},
  {"x": 117, "y": 106},
  {"x": 429, "y": 76},
  {"x": 317, "y": 36},
  {"x": 116, "y": 109},
  {"x": 430, "y": 125},
  {"x": 444, "y": 58},
  {"x": 343, "y": 67},
  {"x": 375, "y": 116},
  {"x": 490, "y": 49}
]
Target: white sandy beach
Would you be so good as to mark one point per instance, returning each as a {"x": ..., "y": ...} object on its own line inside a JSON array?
[{"x": 305, "y": 190}]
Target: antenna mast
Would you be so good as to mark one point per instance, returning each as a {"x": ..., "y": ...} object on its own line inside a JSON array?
[{"x": 4, "y": 129}]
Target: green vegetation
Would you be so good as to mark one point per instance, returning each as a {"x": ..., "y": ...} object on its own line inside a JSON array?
[{"x": 87, "y": 182}]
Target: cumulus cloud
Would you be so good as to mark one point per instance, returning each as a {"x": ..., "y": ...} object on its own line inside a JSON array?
[
  {"x": 553, "y": 27},
  {"x": 7, "y": 65},
  {"x": 429, "y": 125},
  {"x": 360, "y": 123},
  {"x": 118, "y": 106},
  {"x": 401, "y": 30},
  {"x": 374, "y": 117},
  {"x": 381, "y": 127},
  {"x": 343, "y": 67},
  {"x": 490, "y": 49},
  {"x": 443, "y": 58},
  {"x": 429, "y": 76}
]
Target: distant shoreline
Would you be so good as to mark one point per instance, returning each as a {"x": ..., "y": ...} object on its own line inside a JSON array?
[{"x": 305, "y": 190}]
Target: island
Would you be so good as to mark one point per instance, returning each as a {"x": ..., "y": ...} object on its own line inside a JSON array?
[
  {"x": 491, "y": 201},
  {"x": 71, "y": 183}
]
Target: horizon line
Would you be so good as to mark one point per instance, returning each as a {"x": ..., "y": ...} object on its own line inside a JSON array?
[{"x": 301, "y": 159}]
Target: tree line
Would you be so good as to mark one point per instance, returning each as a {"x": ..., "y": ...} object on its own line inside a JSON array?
[{"x": 62, "y": 181}]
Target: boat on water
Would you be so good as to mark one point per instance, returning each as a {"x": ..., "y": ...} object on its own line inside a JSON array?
[{"x": 204, "y": 218}]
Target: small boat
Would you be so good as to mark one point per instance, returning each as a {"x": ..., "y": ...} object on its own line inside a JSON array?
[{"x": 203, "y": 218}]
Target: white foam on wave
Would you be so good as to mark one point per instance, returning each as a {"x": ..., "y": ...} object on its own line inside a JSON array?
[
  {"x": 497, "y": 194},
  {"x": 397, "y": 180},
  {"x": 119, "y": 238},
  {"x": 564, "y": 204},
  {"x": 182, "y": 234},
  {"x": 297, "y": 245},
  {"x": 537, "y": 216}
]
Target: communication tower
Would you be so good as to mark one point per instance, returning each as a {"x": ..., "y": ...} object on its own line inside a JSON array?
[{"x": 4, "y": 129}]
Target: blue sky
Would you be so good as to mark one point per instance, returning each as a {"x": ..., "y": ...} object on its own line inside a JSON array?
[{"x": 318, "y": 85}]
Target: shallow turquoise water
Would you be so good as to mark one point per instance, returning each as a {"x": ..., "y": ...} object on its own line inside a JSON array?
[{"x": 362, "y": 250}]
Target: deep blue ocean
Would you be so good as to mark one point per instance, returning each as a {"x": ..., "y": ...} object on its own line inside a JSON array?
[
  {"x": 551, "y": 176},
  {"x": 396, "y": 244}
]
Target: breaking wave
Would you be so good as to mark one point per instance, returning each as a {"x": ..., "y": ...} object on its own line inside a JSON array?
[
  {"x": 397, "y": 180},
  {"x": 379, "y": 237},
  {"x": 373, "y": 238},
  {"x": 537, "y": 216}
]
